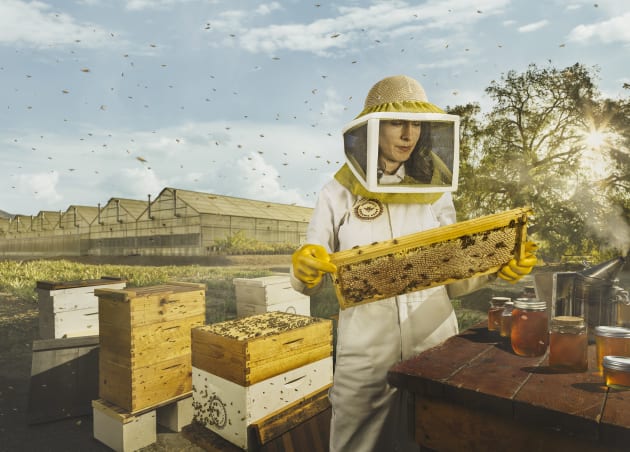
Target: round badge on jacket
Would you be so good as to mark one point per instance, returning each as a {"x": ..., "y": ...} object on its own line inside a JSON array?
[{"x": 368, "y": 209}]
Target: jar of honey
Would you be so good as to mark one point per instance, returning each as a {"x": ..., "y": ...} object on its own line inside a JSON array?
[
  {"x": 506, "y": 319},
  {"x": 530, "y": 327},
  {"x": 617, "y": 371},
  {"x": 611, "y": 340},
  {"x": 568, "y": 344},
  {"x": 495, "y": 311}
]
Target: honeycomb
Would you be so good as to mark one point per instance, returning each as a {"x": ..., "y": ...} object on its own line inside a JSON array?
[{"x": 429, "y": 258}]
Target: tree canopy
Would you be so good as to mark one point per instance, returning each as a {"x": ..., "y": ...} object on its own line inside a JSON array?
[{"x": 551, "y": 142}]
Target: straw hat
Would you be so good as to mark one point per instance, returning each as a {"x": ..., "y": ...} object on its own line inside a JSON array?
[
  {"x": 398, "y": 93},
  {"x": 398, "y": 88}
]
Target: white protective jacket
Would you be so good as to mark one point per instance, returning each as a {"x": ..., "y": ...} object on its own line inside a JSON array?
[{"x": 367, "y": 413}]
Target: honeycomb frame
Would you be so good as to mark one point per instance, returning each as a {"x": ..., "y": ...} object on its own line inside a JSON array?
[{"x": 438, "y": 256}]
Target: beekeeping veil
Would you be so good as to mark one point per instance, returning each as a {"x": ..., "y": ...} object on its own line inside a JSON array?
[{"x": 432, "y": 166}]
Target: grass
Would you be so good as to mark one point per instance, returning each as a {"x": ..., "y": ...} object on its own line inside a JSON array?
[{"x": 19, "y": 279}]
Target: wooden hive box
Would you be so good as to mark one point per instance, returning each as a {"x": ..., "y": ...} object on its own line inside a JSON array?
[
  {"x": 298, "y": 306},
  {"x": 227, "y": 408},
  {"x": 248, "y": 350},
  {"x": 266, "y": 291},
  {"x": 145, "y": 345},
  {"x": 247, "y": 368},
  {"x": 70, "y": 308},
  {"x": 269, "y": 293}
]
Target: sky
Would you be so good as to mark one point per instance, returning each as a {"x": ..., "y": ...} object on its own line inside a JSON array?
[{"x": 104, "y": 99}]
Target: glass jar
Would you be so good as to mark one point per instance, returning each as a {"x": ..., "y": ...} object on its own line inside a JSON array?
[
  {"x": 617, "y": 371},
  {"x": 529, "y": 292},
  {"x": 495, "y": 311},
  {"x": 506, "y": 319},
  {"x": 530, "y": 327},
  {"x": 611, "y": 340},
  {"x": 568, "y": 344}
]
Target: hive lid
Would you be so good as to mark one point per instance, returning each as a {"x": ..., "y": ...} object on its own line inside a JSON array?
[
  {"x": 260, "y": 325},
  {"x": 56, "y": 285},
  {"x": 145, "y": 291},
  {"x": 263, "y": 281}
]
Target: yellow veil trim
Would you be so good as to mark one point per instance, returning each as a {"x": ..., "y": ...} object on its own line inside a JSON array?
[
  {"x": 406, "y": 106},
  {"x": 346, "y": 177}
]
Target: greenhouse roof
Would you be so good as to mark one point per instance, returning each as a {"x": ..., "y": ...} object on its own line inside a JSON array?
[{"x": 230, "y": 206}]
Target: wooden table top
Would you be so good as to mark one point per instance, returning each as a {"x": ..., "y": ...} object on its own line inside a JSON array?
[{"x": 479, "y": 369}]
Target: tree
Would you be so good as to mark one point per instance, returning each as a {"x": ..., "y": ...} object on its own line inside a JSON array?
[{"x": 538, "y": 147}]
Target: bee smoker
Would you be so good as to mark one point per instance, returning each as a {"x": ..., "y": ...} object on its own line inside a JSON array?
[
  {"x": 591, "y": 293},
  {"x": 596, "y": 292}
]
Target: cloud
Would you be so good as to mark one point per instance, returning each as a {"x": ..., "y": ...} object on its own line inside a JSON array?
[
  {"x": 267, "y": 8},
  {"x": 263, "y": 183},
  {"x": 41, "y": 186},
  {"x": 609, "y": 31},
  {"x": 34, "y": 24},
  {"x": 533, "y": 26},
  {"x": 133, "y": 183},
  {"x": 139, "y": 5},
  {"x": 353, "y": 25}
]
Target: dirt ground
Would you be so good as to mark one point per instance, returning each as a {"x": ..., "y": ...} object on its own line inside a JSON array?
[{"x": 18, "y": 328}]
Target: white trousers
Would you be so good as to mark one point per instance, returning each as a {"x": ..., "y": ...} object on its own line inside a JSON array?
[{"x": 367, "y": 413}]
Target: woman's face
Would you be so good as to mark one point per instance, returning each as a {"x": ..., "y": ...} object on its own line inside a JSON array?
[{"x": 397, "y": 140}]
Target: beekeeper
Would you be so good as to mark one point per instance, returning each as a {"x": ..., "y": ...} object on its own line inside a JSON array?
[{"x": 401, "y": 167}]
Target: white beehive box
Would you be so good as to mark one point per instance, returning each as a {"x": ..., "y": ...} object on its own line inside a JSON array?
[
  {"x": 298, "y": 306},
  {"x": 70, "y": 308},
  {"x": 228, "y": 408},
  {"x": 266, "y": 291}
]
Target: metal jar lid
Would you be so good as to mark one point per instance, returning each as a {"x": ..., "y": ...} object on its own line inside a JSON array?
[
  {"x": 612, "y": 331},
  {"x": 567, "y": 320},
  {"x": 531, "y": 304},
  {"x": 499, "y": 300},
  {"x": 621, "y": 363}
]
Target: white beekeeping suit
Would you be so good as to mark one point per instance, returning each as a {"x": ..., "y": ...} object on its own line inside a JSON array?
[{"x": 367, "y": 413}]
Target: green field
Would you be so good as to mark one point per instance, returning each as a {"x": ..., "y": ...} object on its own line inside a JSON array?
[{"x": 18, "y": 279}]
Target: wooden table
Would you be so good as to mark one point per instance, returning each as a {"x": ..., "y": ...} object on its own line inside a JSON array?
[{"x": 472, "y": 393}]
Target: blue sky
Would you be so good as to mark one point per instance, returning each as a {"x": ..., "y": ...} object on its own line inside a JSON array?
[{"x": 121, "y": 98}]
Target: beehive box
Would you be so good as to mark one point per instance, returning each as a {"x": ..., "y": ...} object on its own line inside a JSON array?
[
  {"x": 266, "y": 291},
  {"x": 145, "y": 346},
  {"x": 299, "y": 306},
  {"x": 70, "y": 308},
  {"x": 228, "y": 409},
  {"x": 248, "y": 350},
  {"x": 430, "y": 258}
]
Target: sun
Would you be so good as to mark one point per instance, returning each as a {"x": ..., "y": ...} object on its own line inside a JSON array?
[{"x": 594, "y": 139}]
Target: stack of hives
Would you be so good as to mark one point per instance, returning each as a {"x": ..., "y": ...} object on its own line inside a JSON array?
[
  {"x": 145, "y": 361},
  {"x": 70, "y": 308},
  {"x": 269, "y": 293},
  {"x": 250, "y": 368}
]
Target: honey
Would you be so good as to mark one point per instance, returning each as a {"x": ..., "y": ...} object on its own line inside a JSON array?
[
  {"x": 611, "y": 341},
  {"x": 568, "y": 344},
  {"x": 530, "y": 327},
  {"x": 506, "y": 319},
  {"x": 617, "y": 371},
  {"x": 495, "y": 311}
]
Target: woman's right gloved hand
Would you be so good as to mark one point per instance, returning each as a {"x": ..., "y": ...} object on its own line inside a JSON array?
[{"x": 310, "y": 262}]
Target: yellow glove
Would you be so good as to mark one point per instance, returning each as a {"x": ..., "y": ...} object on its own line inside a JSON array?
[
  {"x": 310, "y": 262},
  {"x": 515, "y": 270}
]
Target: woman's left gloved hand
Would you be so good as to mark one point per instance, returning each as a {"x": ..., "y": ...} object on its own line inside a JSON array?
[{"x": 516, "y": 269}]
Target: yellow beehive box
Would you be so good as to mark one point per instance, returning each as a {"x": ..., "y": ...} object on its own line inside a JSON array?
[
  {"x": 251, "y": 349},
  {"x": 429, "y": 258},
  {"x": 145, "y": 346}
]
